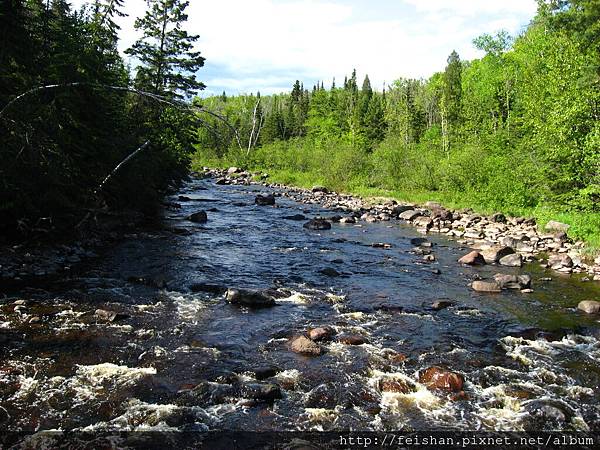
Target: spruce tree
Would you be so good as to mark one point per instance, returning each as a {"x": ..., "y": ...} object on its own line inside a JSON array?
[{"x": 166, "y": 50}]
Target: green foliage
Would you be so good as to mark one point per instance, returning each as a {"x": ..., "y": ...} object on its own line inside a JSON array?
[{"x": 516, "y": 131}]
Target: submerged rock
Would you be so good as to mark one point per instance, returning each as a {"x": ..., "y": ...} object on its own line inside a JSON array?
[
  {"x": 437, "y": 378},
  {"x": 317, "y": 224},
  {"x": 589, "y": 306},
  {"x": 352, "y": 339},
  {"x": 266, "y": 392},
  {"x": 198, "y": 217},
  {"x": 265, "y": 200},
  {"x": 247, "y": 297},
  {"x": 295, "y": 217},
  {"x": 441, "y": 304},
  {"x": 473, "y": 258},
  {"x": 330, "y": 272},
  {"x": 321, "y": 333},
  {"x": 397, "y": 386},
  {"x": 305, "y": 346}
]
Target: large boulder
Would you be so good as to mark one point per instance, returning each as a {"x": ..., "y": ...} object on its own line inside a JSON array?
[
  {"x": 589, "y": 306},
  {"x": 513, "y": 281},
  {"x": 265, "y": 200},
  {"x": 486, "y": 286},
  {"x": 560, "y": 261},
  {"x": 473, "y": 258},
  {"x": 409, "y": 215},
  {"x": 317, "y": 224},
  {"x": 305, "y": 346},
  {"x": 494, "y": 254},
  {"x": 198, "y": 217},
  {"x": 438, "y": 378},
  {"x": 514, "y": 260},
  {"x": 247, "y": 297}
]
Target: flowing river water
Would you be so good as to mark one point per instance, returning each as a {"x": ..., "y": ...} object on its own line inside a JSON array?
[{"x": 179, "y": 357}]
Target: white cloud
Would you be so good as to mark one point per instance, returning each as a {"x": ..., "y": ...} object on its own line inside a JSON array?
[{"x": 318, "y": 39}]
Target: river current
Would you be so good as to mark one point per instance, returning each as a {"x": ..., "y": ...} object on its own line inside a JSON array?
[{"x": 167, "y": 352}]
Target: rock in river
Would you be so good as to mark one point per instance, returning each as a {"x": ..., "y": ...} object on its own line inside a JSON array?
[
  {"x": 265, "y": 200},
  {"x": 317, "y": 224},
  {"x": 472, "y": 259},
  {"x": 438, "y": 378},
  {"x": 589, "y": 306},
  {"x": 321, "y": 333},
  {"x": 247, "y": 297},
  {"x": 353, "y": 339},
  {"x": 305, "y": 346},
  {"x": 198, "y": 217},
  {"x": 486, "y": 286},
  {"x": 295, "y": 217},
  {"x": 266, "y": 392},
  {"x": 514, "y": 260},
  {"x": 507, "y": 281},
  {"x": 495, "y": 254}
]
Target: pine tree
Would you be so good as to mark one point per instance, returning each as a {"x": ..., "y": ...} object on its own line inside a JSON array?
[{"x": 169, "y": 63}]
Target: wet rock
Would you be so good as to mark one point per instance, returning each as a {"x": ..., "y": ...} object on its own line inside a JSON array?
[
  {"x": 321, "y": 333},
  {"x": 295, "y": 217},
  {"x": 514, "y": 260},
  {"x": 589, "y": 306},
  {"x": 205, "y": 287},
  {"x": 441, "y": 304},
  {"x": 438, "y": 378},
  {"x": 459, "y": 396},
  {"x": 409, "y": 215},
  {"x": 247, "y": 297},
  {"x": 553, "y": 225},
  {"x": 322, "y": 396},
  {"x": 494, "y": 254},
  {"x": 486, "y": 286},
  {"x": 473, "y": 258},
  {"x": 265, "y": 392},
  {"x": 35, "y": 320},
  {"x": 352, "y": 339},
  {"x": 221, "y": 181},
  {"x": 109, "y": 316},
  {"x": 348, "y": 219},
  {"x": 547, "y": 414},
  {"x": 184, "y": 198},
  {"x": 330, "y": 272},
  {"x": 420, "y": 242},
  {"x": 507, "y": 281},
  {"x": 198, "y": 217},
  {"x": 305, "y": 346},
  {"x": 322, "y": 189},
  {"x": 317, "y": 224},
  {"x": 397, "y": 386},
  {"x": 381, "y": 245},
  {"x": 265, "y": 200}
]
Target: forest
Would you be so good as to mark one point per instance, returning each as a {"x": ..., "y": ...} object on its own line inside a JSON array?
[
  {"x": 516, "y": 131},
  {"x": 71, "y": 110}
]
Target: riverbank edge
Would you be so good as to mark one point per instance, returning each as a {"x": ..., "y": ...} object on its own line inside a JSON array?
[{"x": 583, "y": 259}]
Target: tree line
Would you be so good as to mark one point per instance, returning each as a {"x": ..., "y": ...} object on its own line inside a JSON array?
[
  {"x": 85, "y": 110},
  {"x": 517, "y": 129}
]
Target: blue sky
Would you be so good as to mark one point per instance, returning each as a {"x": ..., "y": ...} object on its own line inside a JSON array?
[{"x": 265, "y": 45}]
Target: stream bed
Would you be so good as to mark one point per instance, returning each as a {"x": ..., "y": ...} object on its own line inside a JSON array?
[{"x": 142, "y": 337}]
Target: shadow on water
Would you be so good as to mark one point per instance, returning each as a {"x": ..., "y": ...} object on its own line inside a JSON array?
[{"x": 175, "y": 355}]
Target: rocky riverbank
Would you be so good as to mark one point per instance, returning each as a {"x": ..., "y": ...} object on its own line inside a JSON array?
[{"x": 496, "y": 239}]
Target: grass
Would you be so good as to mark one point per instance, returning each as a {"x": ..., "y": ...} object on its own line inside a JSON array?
[{"x": 584, "y": 226}]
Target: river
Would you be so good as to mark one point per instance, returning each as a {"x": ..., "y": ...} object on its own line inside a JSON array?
[{"x": 177, "y": 356}]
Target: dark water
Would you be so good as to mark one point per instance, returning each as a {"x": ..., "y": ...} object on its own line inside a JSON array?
[{"x": 181, "y": 359}]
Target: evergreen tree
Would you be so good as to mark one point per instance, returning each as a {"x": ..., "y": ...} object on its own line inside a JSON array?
[{"x": 169, "y": 62}]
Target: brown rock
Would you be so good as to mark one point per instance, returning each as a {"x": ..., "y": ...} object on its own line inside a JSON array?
[
  {"x": 320, "y": 333},
  {"x": 514, "y": 260},
  {"x": 353, "y": 339},
  {"x": 305, "y": 346},
  {"x": 472, "y": 259},
  {"x": 438, "y": 378},
  {"x": 486, "y": 286},
  {"x": 396, "y": 386}
]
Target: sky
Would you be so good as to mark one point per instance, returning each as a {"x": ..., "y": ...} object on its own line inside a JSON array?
[{"x": 265, "y": 45}]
